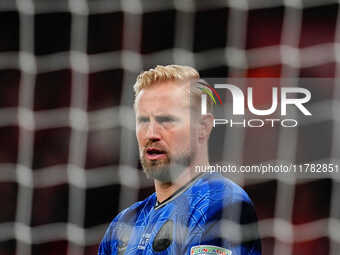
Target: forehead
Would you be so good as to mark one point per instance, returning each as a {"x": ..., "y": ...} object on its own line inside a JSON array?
[{"x": 164, "y": 96}]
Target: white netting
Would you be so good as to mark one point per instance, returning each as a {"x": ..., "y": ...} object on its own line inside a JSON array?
[{"x": 113, "y": 121}]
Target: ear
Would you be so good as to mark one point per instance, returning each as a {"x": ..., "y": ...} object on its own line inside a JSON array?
[{"x": 206, "y": 124}]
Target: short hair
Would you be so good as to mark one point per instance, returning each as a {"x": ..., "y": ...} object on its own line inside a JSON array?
[
  {"x": 163, "y": 74},
  {"x": 176, "y": 73}
]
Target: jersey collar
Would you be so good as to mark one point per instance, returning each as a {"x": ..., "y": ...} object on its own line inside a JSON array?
[{"x": 178, "y": 192}]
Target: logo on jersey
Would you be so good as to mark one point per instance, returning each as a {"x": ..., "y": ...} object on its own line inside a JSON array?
[
  {"x": 209, "y": 250},
  {"x": 144, "y": 241}
]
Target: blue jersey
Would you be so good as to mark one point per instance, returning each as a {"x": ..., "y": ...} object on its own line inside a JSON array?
[{"x": 209, "y": 215}]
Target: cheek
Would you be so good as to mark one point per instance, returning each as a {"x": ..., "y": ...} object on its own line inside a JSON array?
[
  {"x": 181, "y": 139},
  {"x": 139, "y": 136}
]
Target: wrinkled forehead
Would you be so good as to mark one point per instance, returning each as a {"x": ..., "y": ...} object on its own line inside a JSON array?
[{"x": 164, "y": 96}]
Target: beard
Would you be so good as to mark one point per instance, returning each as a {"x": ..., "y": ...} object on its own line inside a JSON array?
[{"x": 166, "y": 170}]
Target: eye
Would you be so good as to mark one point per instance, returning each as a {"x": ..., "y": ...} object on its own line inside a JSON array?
[
  {"x": 165, "y": 119},
  {"x": 143, "y": 119}
]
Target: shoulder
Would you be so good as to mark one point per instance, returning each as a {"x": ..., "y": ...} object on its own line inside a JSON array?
[
  {"x": 217, "y": 197},
  {"x": 220, "y": 207},
  {"x": 217, "y": 188},
  {"x": 123, "y": 223},
  {"x": 129, "y": 214}
]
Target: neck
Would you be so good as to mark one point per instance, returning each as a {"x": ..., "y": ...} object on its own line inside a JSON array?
[{"x": 165, "y": 190}]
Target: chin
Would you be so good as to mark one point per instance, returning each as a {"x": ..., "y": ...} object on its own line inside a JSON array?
[
  {"x": 166, "y": 170},
  {"x": 161, "y": 174}
]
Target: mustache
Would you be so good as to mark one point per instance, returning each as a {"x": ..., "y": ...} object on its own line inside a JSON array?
[{"x": 153, "y": 145}]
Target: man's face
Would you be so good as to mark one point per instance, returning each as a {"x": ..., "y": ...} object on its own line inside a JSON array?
[{"x": 163, "y": 130}]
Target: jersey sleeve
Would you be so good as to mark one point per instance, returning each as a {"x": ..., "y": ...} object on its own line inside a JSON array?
[
  {"x": 108, "y": 242},
  {"x": 117, "y": 235},
  {"x": 229, "y": 229}
]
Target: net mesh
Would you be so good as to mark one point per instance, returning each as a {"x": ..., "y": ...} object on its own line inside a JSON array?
[{"x": 69, "y": 161}]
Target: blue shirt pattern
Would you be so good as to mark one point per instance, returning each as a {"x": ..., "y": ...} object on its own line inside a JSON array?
[{"x": 193, "y": 217}]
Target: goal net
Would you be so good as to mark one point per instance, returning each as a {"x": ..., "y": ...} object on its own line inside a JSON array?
[{"x": 69, "y": 157}]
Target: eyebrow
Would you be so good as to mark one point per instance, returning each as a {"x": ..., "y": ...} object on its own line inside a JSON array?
[
  {"x": 158, "y": 117},
  {"x": 142, "y": 118},
  {"x": 165, "y": 117}
]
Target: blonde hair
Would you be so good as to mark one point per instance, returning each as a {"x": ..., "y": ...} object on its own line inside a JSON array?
[
  {"x": 163, "y": 74},
  {"x": 177, "y": 73}
]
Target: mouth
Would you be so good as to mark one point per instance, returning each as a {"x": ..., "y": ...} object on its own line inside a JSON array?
[{"x": 154, "y": 153}]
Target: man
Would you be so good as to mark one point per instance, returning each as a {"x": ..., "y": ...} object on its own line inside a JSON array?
[{"x": 190, "y": 213}]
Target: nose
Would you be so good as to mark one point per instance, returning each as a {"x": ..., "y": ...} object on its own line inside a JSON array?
[{"x": 153, "y": 131}]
